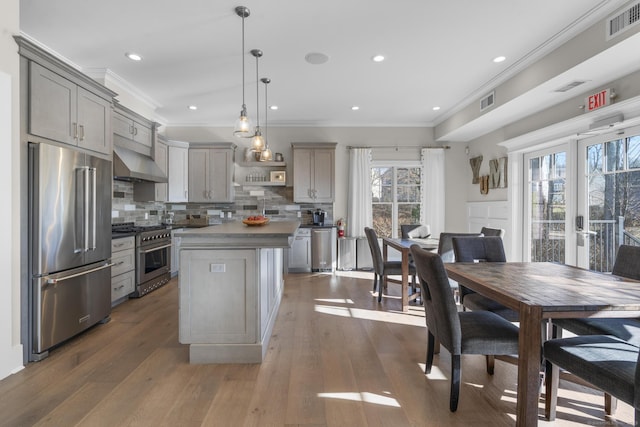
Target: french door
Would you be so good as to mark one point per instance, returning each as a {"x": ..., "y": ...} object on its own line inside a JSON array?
[
  {"x": 547, "y": 206},
  {"x": 608, "y": 197}
]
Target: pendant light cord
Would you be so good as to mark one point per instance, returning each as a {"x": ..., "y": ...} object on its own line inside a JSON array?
[
  {"x": 257, "y": 93},
  {"x": 244, "y": 105}
]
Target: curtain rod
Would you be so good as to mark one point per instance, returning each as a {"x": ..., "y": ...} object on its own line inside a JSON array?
[{"x": 397, "y": 147}]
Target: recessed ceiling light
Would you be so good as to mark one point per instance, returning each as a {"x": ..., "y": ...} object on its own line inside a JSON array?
[
  {"x": 436, "y": 108},
  {"x": 193, "y": 107},
  {"x": 133, "y": 56},
  {"x": 378, "y": 58},
  {"x": 355, "y": 108},
  {"x": 316, "y": 58},
  {"x": 273, "y": 107},
  {"x": 499, "y": 59}
]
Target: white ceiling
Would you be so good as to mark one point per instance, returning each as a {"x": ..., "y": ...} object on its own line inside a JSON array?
[{"x": 439, "y": 53}]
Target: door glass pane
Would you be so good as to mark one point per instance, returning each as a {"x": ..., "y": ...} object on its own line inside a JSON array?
[
  {"x": 633, "y": 152},
  {"x": 614, "y": 201},
  {"x": 594, "y": 158},
  {"x": 548, "y": 209},
  {"x": 615, "y": 155}
]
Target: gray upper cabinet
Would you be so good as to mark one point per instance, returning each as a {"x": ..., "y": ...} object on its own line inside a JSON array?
[
  {"x": 63, "y": 111},
  {"x": 313, "y": 172},
  {"x": 129, "y": 127},
  {"x": 211, "y": 173}
]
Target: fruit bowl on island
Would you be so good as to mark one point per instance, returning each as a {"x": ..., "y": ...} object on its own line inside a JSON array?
[{"x": 256, "y": 220}]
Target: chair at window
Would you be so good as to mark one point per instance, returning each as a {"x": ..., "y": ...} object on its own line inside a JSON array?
[
  {"x": 415, "y": 231},
  {"x": 627, "y": 264},
  {"x": 382, "y": 269},
  {"x": 481, "y": 249},
  {"x": 467, "y": 332},
  {"x": 607, "y": 362},
  {"x": 492, "y": 231}
]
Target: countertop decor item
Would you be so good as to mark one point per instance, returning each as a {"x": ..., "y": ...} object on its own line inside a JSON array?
[{"x": 255, "y": 220}]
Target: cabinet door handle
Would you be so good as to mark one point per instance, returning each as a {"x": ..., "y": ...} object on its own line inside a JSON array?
[
  {"x": 135, "y": 130},
  {"x": 81, "y": 132},
  {"x": 75, "y": 130}
]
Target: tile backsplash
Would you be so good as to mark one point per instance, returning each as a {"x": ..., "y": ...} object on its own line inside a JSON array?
[{"x": 276, "y": 202}]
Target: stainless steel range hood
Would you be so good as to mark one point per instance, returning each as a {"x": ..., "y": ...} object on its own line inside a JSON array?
[{"x": 129, "y": 165}]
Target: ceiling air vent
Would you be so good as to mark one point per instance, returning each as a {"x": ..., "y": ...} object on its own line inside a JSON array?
[
  {"x": 570, "y": 86},
  {"x": 621, "y": 22},
  {"x": 487, "y": 101}
]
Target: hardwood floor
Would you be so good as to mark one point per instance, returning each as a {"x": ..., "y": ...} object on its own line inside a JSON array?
[{"x": 336, "y": 358}]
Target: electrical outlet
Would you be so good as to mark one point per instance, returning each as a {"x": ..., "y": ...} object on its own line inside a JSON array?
[
  {"x": 229, "y": 215},
  {"x": 299, "y": 214}
]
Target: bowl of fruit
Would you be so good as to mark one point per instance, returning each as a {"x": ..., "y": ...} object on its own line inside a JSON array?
[{"x": 256, "y": 220}]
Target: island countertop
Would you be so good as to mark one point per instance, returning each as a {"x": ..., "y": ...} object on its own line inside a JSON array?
[{"x": 275, "y": 234}]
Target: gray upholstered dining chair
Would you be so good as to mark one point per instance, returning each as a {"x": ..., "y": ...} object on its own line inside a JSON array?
[
  {"x": 481, "y": 249},
  {"x": 408, "y": 231},
  {"x": 445, "y": 244},
  {"x": 467, "y": 332},
  {"x": 489, "y": 232},
  {"x": 381, "y": 268},
  {"x": 627, "y": 264},
  {"x": 607, "y": 362}
]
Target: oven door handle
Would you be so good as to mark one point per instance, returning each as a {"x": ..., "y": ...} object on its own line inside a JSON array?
[{"x": 155, "y": 248}]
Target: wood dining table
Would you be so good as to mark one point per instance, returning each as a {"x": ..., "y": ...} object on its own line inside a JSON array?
[
  {"x": 540, "y": 291},
  {"x": 404, "y": 246}
]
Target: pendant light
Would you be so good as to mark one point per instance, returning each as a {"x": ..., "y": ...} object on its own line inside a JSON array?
[
  {"x": 258, "y": 141},
  {"x": 265, "y": 155},
  {"x": 242, "y": 128}
]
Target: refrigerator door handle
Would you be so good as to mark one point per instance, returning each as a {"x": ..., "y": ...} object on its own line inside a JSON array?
[
  {"x": 80, "y": 224},
  {"x": 87, "y": 202},
  {"x": 71, "y": 276},
  {"x": 92, "y": 217}
]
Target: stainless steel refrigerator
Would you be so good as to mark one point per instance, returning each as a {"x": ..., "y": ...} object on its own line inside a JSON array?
[{"x": 70, "y": 244}]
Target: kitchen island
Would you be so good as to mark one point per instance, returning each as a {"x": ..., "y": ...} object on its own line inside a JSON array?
[{"x": 231, "y": 281}]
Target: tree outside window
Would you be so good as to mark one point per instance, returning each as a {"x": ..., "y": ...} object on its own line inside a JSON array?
[{"x": 396, "y": 198}]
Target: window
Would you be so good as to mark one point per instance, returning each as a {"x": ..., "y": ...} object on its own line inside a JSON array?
[
  {"x": 396, "y": 198},
  {"x": 613, "y": 188}
]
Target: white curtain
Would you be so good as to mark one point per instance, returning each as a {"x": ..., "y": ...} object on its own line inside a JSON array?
[
  {"x": 359, "y": 204},
  {"x": 434, "y": 187}
]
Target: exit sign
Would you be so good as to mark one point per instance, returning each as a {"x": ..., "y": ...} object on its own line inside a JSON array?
[{"x": 597, "y": 100}]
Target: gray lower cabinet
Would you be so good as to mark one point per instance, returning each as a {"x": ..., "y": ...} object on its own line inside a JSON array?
[
  {"x": 123, "y": 271},
  {"x": 211, "y": 173},
  {"x": 228, "y": 302},
  {"x": 299, "y": 254},
  {"x": 63, "y": 111}
]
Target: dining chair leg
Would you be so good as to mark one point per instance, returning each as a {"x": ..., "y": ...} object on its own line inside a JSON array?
[
  {"x": 431, "y": 342},
  {"x": 375, "y": 281},
  {"x": 380, "y": 287},
  {"x": 455, "y": 383},
  {"x": 610, "y": 404},
  {"x": 491, "y": 363},
  {"x": 551, "y": 379}
]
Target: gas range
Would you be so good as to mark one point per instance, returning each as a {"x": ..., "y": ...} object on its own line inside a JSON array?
[{"x": 153, "y": 254}]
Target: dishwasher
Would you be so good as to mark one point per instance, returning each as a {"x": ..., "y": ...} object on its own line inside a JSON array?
[{"x": 323, "y": 249}]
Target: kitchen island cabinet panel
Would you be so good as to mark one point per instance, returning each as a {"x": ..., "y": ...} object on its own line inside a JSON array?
[
  {"x": 218, "y": 276},
  {"x": 231, "y": 283}
]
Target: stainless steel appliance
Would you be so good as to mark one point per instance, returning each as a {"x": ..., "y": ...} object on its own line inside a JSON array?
[
  {"x": 323, "y": 248},
  {"x": 153, "y": 256},
  {"x": 69, "y": 244},
  {"x": 299, "y": 254}
]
